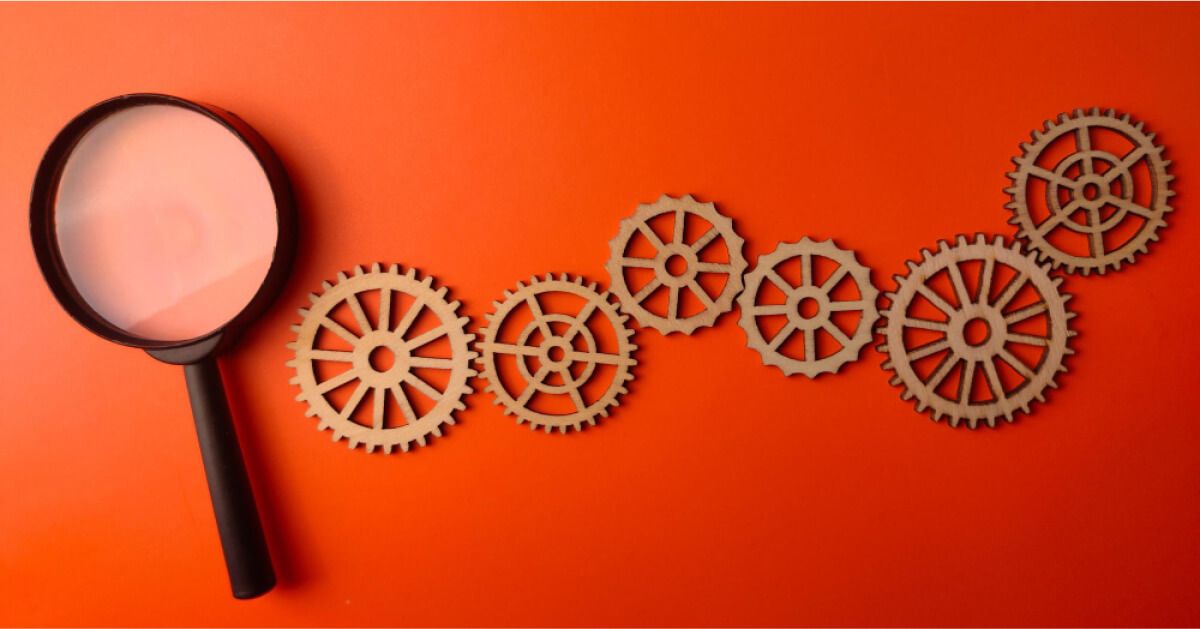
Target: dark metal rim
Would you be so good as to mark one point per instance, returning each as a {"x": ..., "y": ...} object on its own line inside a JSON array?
[{"x": 45, "y": 241}]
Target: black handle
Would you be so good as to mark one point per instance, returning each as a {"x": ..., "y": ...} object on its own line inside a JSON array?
[{"x": 246, "y": 556}]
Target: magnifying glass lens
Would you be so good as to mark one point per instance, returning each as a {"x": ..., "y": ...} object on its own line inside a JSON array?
[{"x": 165, "y": 221}]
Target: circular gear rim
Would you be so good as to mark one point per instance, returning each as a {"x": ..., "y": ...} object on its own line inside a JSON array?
[
  {"x": 722, "y": 227},
  {"x": 899, "y": 357},
  {"x": 1155, "y": 216},
  {"x": 851, "y": 347},
  {"x": 421, "y": 289},
  {"x": 595, "y": 300}
]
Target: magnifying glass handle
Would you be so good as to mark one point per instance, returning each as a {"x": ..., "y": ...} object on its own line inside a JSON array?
[{"x": 246, "y": 556}]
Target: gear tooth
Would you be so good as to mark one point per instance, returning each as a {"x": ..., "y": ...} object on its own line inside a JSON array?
[
  {"x": 908, "y": 395},
  {"x": 394, "y": 269},
  {"x": 351, "y": 443},
  {"x": 961, "y": 240},
  {"x": 421, "y": 441},
  {"x": 311, "y": 412},
  {"x": 441, "y": 292},
  {"x": 1110, "y": 112},
  {"x": 547, "y": 428},
  {"x": 313, "y": 297},
  {"x": 912, "y": 266},
  {"x": 579, "y": 280},
  {"x": 591, "y": 421},
  {"x": 295, "y": 327},
  {"x": 895, "y": 381},
  {"x": 887, "y": 364},
  {"x": 341, "y": 277},
  {"x": 405, "y": 446},
  {"x": 1039, "y": 397},
  {"x": 603, "y": 412},
  {"x": 1078, "y": 113},
  {"x": 427, "y": 281},
  {"x": 882, "y": 347},
  {"x": 370, "y": 448},
  {"x": 435, "y": 431},
  {"x": 1063, "y": 118},
  {"x": 898, "y": 279},
  {"x": 358, "y": 270},
  {"x": 387, "y": 448},
  {"x": 377, "y": 268}
]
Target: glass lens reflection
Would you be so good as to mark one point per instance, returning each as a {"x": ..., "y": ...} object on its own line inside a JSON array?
[{"x": 165, "y": 221}]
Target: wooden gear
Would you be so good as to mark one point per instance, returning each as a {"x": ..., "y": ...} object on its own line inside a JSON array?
[
  {"x": 1092, "y": 179},
  {"x": 676, "y": 246},
  {"x": 809, "y": 291},
  {"x": 404, "y": 346},
  {"x": 1000, "y": 317},
  {"x": 556, "y": 342}
]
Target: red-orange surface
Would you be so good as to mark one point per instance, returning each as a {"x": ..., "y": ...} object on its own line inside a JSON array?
[{"x": 483, "y": 144}]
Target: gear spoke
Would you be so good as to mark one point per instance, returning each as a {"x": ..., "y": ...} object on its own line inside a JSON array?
[
  {"x": 385, "y": 308},
  {"x": 680, "y": 222},
  {"x": 704, "y": 239},
  {"x": 1011, "y": 291},
  {"x": 422, "y": 362},
  {"x": 576, "y": 395},
  {"x": 1016, "y": 364},
  {"x": 781, "y": 336},
  {"x": 655, "y": 241},
  {"x": 339, "y": 330},
  {"x": 844, "y": 305},
  {"x": 410, "y": 416},
  {"x": 531, "y": 386},
  {"x": 769, "y": 309},
  {"x": 509, "y": 348},
  {"x": 377, "y": 408},
  {"x": 1127, "y": 162},
  {"x": 700, "y": 293},
  {"x": 810, "y": 344},
  {"x": 355, "y": 399},
  {"x": 714, "y": 267},
  {"x": 1096, "y": 240},
  {"x": 961, "y": 294},
  {"x": 835, "y": 278},
  {"x": 1050, "y": 176},
  {"x": 780, "y": 283},
  {"x": 836, "y": 333},
  {"x": 1028, "y": 339},
  {"x": 1056, "y": 219},
  {"x": 942, "y": 370},
  {"x": 647, "y": 290},
  {"x": 335, "y": 382},
  {"x": 424, "y": 387},
  {"x": 994, "y": 383},
  {"x": 1131, "y": 207},
  {"x": 928, "y": 349},
  {"x": 602, "y": 358},
  {"x": 535, "y": 308},
  {"x": 426, "y": 338},
  {"x": 360, "y": 317},
  {"x": 1026, "y": 312},
  {"x": 673, "y": 303},
  {"x": 580, "y": 322},
  {"x": 806, "y": 272},
  {"x": 1083, "y": 144},
  {"x": 637, "y": 263},
  {"x": 985, "y": 281},
  {"x": 967, "y": 382},
  {"x": 328, "y": 354},
  {"x": 410, "y": 315},
  {"x": 926, "y": 324},
  {"x": 936, "y": 299}
]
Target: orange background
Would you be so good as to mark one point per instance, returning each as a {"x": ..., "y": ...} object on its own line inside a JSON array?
[{"x": 483, "y": 144}]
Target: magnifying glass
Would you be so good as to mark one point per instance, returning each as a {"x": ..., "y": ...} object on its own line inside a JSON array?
[{"x": 168, "y": 225}]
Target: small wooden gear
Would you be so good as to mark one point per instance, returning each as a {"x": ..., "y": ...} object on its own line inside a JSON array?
[
  {"x": 556, "y": 354},
  {"x": 676, "y": 264},
  {"x": 808, "y": 308},
  {"x": 1015, "y": 307},
  {"x": 1101, "y": 203},
  {"x": 415, "y": 343}
]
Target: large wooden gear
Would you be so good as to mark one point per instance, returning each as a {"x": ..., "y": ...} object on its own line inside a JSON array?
[
  {"x": 408, "y": 346},
  {"x": 798, "y": 319},
  {"x": 1115, "y": 201},
  {"x": 991, "y": 306},
  {"x": 557, "y": 354},
  {"x": 676, "y": 249}
]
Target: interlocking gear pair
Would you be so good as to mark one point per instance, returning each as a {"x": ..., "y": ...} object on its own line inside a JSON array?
[{"x": 556, "y": 354}]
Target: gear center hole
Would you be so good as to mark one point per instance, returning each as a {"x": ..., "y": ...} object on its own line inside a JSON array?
[
  {"x": 382, "y": 359},
  {"x": 976, "y": 332},
  {"x": 557, "y": 353},
  {"x": 676, "y": 265},
  {"x": 1091, "y": 191},
  {"x": 808, "y": 308}
]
